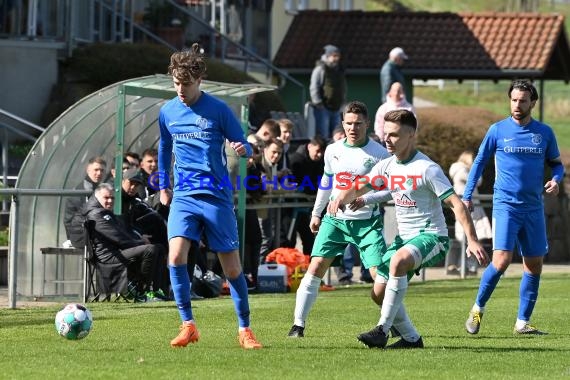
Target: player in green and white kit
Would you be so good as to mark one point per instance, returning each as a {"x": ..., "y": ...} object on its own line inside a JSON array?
[
  {"x": 417, "y": 186},
  {"x": 344, "y": 161}
]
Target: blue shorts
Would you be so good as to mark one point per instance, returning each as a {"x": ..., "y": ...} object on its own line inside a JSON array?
[
  {"x": 190, "y": 216},
  {"x": 525, "y": 228}
]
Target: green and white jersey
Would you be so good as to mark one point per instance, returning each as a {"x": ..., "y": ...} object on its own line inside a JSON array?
[
  {"x": 344, "y": 163},
  {"x": 417, "y": 186}
]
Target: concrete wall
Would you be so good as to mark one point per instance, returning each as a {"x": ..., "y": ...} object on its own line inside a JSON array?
[{"x": 28, "y": 71}]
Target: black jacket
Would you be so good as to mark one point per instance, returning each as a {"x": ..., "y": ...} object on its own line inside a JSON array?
[
  {"x": 109, "y": 236},
  {"x": 139, "y": 216},
  {"x": 307, "y": 172},
  {"x": 73, "y": 219}
]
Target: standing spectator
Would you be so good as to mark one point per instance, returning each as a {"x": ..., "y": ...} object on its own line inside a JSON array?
[
  {"x": 395, "y": 99},
  {"x": 391, "y": 71},
  {"x": 344, "y": 161},
  {"x": 328, "y": 91},
  {"x": 521, "y": 146},
  {"x": 196, "y": 209},
  {"x": 459, "y": 172},
  {"x": 73, "y": 220}
]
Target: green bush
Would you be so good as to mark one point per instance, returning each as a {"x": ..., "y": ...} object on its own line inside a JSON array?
[{"x": 445, "y": 132}]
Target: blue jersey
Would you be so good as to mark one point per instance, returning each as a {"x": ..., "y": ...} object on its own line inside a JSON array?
[
  {"x": 520, "y": 154},
  {"x": 196, "y": 135}
]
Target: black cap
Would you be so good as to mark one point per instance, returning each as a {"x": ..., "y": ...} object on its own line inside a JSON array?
[{"x": 133, "y": 175}]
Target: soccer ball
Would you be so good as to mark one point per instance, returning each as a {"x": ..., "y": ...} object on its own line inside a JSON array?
[{"x": 73, "y": 322}]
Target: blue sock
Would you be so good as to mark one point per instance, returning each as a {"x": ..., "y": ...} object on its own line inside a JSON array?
[
  {"x": 489, "y": 281},
  {"x": 238, "y": 291},
  {"x": 528, "y": 295},
  {"x": 180, "y": 282}
]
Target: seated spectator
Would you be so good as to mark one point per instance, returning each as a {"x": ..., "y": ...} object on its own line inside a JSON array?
[
  {"x": 395, "y": 99},
  {"x": 95, "y": 173},
  {"x": 113, "y": 243}
]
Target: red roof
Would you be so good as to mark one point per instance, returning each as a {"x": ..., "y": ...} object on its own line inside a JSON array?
[{"x": 439, "y": 45}]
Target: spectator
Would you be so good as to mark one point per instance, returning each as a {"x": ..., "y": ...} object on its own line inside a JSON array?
[
  {"x": 328, "y": 91},
  {"x": 148, "y": 165},
  {"x": 270, "y": 157},
  {"x": 307, "y": 167},
  {"x": 270, "y": 129},
  {"x": 133, "y": 158},
  {"x": 337, "y": 134},
  {"x": 391, "y": 71},
  {"x": 459, "y": 172},
  {"x": 111, "y": 176},
  {"x": 113, "y": 243},
  {"x": 395, "y": 99},
  {"x": 95, "y": 173},
  {"x": 286, "y": 127}
]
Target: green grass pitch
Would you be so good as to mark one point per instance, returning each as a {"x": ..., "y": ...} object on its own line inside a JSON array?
[{"x": 131, "y": 341}]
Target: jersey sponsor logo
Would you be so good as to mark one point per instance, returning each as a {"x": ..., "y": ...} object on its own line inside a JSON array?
[
  {"x": 403, "y": 200},
  {"x": 190, "y": 135},
  {"x": 523, "y": 149},
  {"x": 536, "y": 138}
]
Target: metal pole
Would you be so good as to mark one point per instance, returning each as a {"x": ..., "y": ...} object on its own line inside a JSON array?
[
  {"x": 5, "y": 147},
  {"x": 12, "y": 261}
]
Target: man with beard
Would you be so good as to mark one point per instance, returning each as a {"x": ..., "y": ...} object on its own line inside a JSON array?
[{"x": 521, "y": 146}]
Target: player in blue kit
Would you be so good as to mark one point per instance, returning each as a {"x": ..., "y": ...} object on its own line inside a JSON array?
[
  {"x": 521, "y": 146},
  {"x": 194, "y": 127}
]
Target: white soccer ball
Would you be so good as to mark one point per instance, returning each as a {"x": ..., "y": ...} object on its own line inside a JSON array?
[{"x": 74, "y": 321}]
